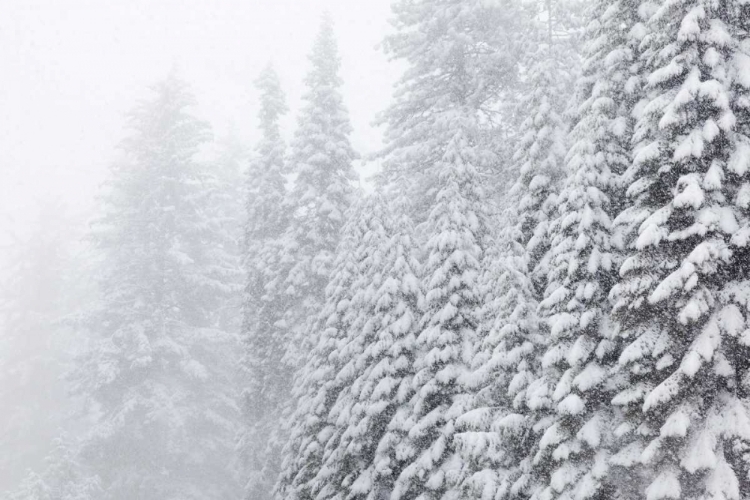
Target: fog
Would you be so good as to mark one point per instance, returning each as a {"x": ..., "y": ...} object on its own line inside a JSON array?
[
  {"x": 374, "y": 249},
  {"x": 71, "y": 71}
]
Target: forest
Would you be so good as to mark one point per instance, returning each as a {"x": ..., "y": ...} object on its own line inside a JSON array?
[{"x": 543, "y": 292}]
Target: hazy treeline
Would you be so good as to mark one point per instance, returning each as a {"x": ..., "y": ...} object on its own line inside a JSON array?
[{"x": 543, "y": 295}]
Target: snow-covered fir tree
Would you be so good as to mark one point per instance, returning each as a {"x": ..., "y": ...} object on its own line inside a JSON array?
[
  {"x": 321, "y": 158},
  {"x": 63, "y": 478},
  {"x": 322, "y": 194},
  {"x": 458, "y": 236},
  {"x": 267, "y": 379},
  {"x": 460, "y": 66},
  {"x": 573, "y": 455},
  {"x": 492, "y": 436},
  {"x": 549, "y": 74},
  {"x": 329, "y": 368},
  {"x": 228, "y": 198},
  {"x": 681, "y": 303},
  {"x": 584, "y": 337},
  {"x": 383, "y": 386},
  {"x": 157, "y": 374},
  {"x": 339, "y": 468},
  {"x": 461, "y": 63},
  {"x": 495, "y": 436},
  {"x": 361, "y": 456},
  {"x": 513, "y": 338}
]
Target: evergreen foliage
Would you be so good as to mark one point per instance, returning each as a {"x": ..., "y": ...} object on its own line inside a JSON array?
[
  {"x": 584, "y": 338},
  {"x": 62, "y": 479},
  {"x": 322, "y": 160},
  {"x": 318, "y": 385},
  {"x": 267, "y": 379},
  {"x": 40, "y": 292},
  {"x": 157, "y": 375},
  {"x": 461, "y": 63},
  {"x": 458, "y": 236},
  {"x": 581, "y": 350},
  {"x": 361, "y": 458},
  {"x": 493, "y": 433},
  {"x": 679, "y": 304},
  {"x": 321, "y": 196}
]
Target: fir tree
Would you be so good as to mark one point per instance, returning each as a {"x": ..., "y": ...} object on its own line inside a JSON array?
[
  {"x": 550, "y": 69},
  {"x": 493, "y": 434},
  {"x": 157, "y": 374},
  {"x": 447, "y": 330},
  {"x": 361, "y": 457},
  {"x": 322, "y": 194},
  {"x": 322, "y": 159},
  {"x": 462, "y": 62},
  {"x": 539, "y": 157},
  {"x": 268, "y": 379},
  {"x": 340, "y": 468},
  {"x": 495, "y": 431},
  {"x": 319, "y": 383},
  {"x": 227, "y": 195},
  {"x": 680, "y": 304},
  {"x": 437, "y": 140},
  {"x": 573, "y": 454},
  {"x": 62, "y": 479}
]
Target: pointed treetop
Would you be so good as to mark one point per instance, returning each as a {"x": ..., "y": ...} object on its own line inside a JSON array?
[
  {"x": 325, "y": 57},
  {"x": 272, "y": 101},
  {"x": 322, "y": 152},
  {"x": 163, "y": 122}
]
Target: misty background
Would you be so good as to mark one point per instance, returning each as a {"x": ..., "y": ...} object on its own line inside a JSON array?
[
  {"x": 71, "y": 71},
  {"x": 206, "y": 292}
]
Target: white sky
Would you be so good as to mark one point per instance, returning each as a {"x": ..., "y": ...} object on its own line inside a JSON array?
[{"x": 70, "y": 69}]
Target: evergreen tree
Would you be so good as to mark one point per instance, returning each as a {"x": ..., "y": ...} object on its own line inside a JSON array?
[
  {"x": 573, "y": 454},
  {"x": 518, "y": 341},
  {"x": 437, "y": 140},
  {"x": 680, "y": 304},
  {"x": 461, "y": 63},
  {"x": 493, "y": 435},
  {"x": 549, "y": 69},
  {"x": 157, "y": 374},
  {"x": 328, "y": 370},
  {"x": 447, "y": 330},
  {"x": 339, "y": 468},
  {"x": 62, "y": 479},
  {"x": 267, "y": 379},
  {"x": 361, "y": 457},
  {"x": 322, "y": 159},
  {"x": 322, "y": 194},
  {"x": 228, "y": 195}
]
